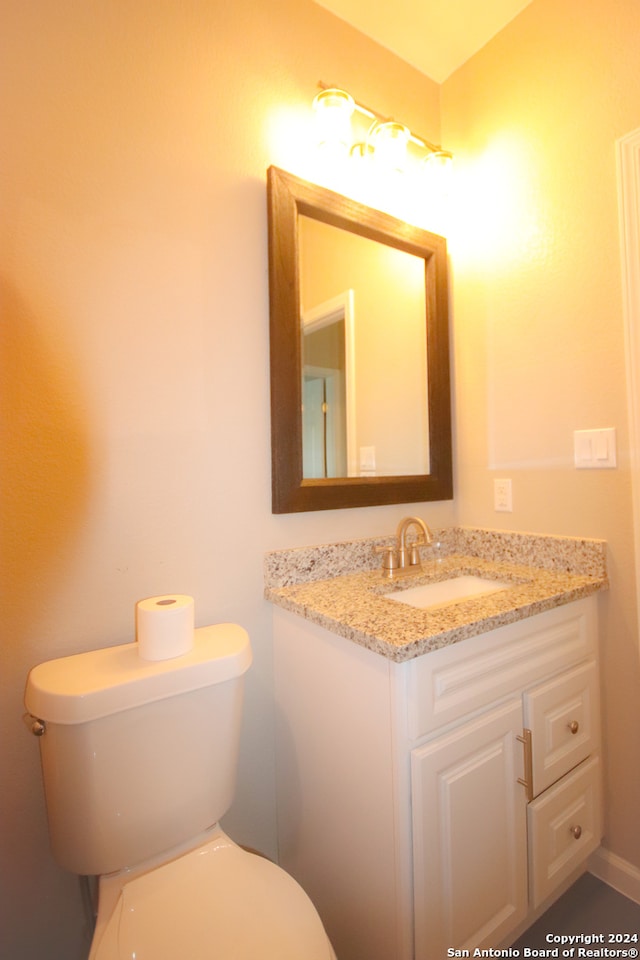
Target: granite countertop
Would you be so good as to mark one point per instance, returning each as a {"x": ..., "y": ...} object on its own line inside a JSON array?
[{"x": 352, "y": 604}]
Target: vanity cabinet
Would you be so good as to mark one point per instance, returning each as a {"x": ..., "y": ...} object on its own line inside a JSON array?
[{"x": 439, "y": 802}]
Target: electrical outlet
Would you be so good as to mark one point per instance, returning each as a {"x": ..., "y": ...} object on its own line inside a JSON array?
[{"x": 502, "y": 498}]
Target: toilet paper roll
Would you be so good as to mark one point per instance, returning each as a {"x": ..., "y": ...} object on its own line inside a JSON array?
[{"x": 164, "y": 626}]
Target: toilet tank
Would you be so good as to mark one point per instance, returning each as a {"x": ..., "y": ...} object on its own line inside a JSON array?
[{"x": 138, "y": 756}]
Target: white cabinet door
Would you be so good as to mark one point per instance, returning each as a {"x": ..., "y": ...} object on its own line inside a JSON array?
[{"x": 469, "y": 841}]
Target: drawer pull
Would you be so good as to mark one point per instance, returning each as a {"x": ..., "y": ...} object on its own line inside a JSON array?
[
  {"x": 574, "y": 726},
  {"x": 527, "y": 780},
  {"x": 576, "y": 831}
]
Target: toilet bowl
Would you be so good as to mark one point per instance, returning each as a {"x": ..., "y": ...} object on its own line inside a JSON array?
[
  {"x": 214, "y": 902},
  {"x": 139, "y": 761}
]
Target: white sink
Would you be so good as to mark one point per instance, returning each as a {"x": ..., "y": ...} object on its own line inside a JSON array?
[{"x": 447, "y": 591}]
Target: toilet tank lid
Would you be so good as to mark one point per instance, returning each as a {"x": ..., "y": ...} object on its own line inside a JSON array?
[{"x": 98, "y": 683}]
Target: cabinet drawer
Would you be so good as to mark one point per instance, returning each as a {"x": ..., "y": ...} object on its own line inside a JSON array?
[
  {"x": 562, "y": 715},
  {"x": 457, "y": 680},
  {"x": 564, "y": 826}
]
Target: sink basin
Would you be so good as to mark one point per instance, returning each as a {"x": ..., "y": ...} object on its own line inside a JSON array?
[{"x": 447, "y": 591}]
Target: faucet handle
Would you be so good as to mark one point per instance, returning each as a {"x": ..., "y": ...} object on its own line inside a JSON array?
[
  {"x": 389, "y": 560},
  {"x": 414, "y": 552}
]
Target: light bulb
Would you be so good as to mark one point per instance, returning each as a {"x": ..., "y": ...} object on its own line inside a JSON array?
[
  {"x": 389, "y": 141},
  {"x": 333, "y": 109},
  {"x": 439, "y": 168}
]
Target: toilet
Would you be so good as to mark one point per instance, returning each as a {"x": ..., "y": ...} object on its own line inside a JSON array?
[{"x": 139, "y": 761}]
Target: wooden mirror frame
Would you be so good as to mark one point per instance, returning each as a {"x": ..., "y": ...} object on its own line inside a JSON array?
[{"x": 288, "y": 198}]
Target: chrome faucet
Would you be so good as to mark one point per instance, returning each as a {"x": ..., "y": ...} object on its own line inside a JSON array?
[{"x": 404, "y": 554}]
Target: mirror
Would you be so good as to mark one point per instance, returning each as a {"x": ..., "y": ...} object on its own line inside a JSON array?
[
  {"x": 360, "y": 396},
  {"x": 371, "y": 368}
]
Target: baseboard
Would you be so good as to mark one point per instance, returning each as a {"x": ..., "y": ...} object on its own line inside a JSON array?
[{"x": 618, "y": 873}]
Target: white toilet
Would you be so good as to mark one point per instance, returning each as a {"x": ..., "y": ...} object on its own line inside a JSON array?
[{"x": 139, "y": 761}]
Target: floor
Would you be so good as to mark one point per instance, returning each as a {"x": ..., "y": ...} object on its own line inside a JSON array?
[{"x": 589, "y": 907}]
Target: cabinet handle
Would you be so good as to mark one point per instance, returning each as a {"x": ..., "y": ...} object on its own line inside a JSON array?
[
  {"x": 574, "y": 726},
  {"x": 527, "y": 780},
  {"x": 576, "y": 831}
]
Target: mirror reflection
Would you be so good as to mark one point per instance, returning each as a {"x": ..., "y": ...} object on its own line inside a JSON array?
[{"x": 364, "y": 356}]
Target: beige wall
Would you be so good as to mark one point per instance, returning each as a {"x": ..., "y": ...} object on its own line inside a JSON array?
[
  {"x": 136, "y": 138},
  {"x": 539, "y": 340},
  {"x": 135, "y": 365}
]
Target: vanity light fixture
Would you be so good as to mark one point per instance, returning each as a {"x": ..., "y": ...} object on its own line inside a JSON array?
[
  {"x": 333, "y": 109},
  {"x": 386, "y": 140},
  {"x": 438, "y": 165}
]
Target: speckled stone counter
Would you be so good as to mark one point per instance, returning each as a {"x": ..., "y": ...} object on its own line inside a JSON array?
[{"x": 341, "y": 586}]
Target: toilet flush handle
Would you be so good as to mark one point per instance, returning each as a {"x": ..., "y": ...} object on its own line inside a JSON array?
[{"x": 37, "y": 727}]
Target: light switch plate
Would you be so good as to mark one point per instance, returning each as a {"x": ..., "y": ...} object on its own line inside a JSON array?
[
  {"x": 367, "y": 461},
  {"x": 594, "y": 449}
]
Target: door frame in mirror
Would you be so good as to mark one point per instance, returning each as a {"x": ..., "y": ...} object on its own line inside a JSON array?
[{"x": 289, "y": 197}]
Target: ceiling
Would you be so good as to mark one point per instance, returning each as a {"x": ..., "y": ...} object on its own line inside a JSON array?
[{"x": 436, "y": 36}]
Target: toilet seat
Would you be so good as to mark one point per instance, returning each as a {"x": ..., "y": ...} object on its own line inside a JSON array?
[{"x": 216, "y": 902}]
